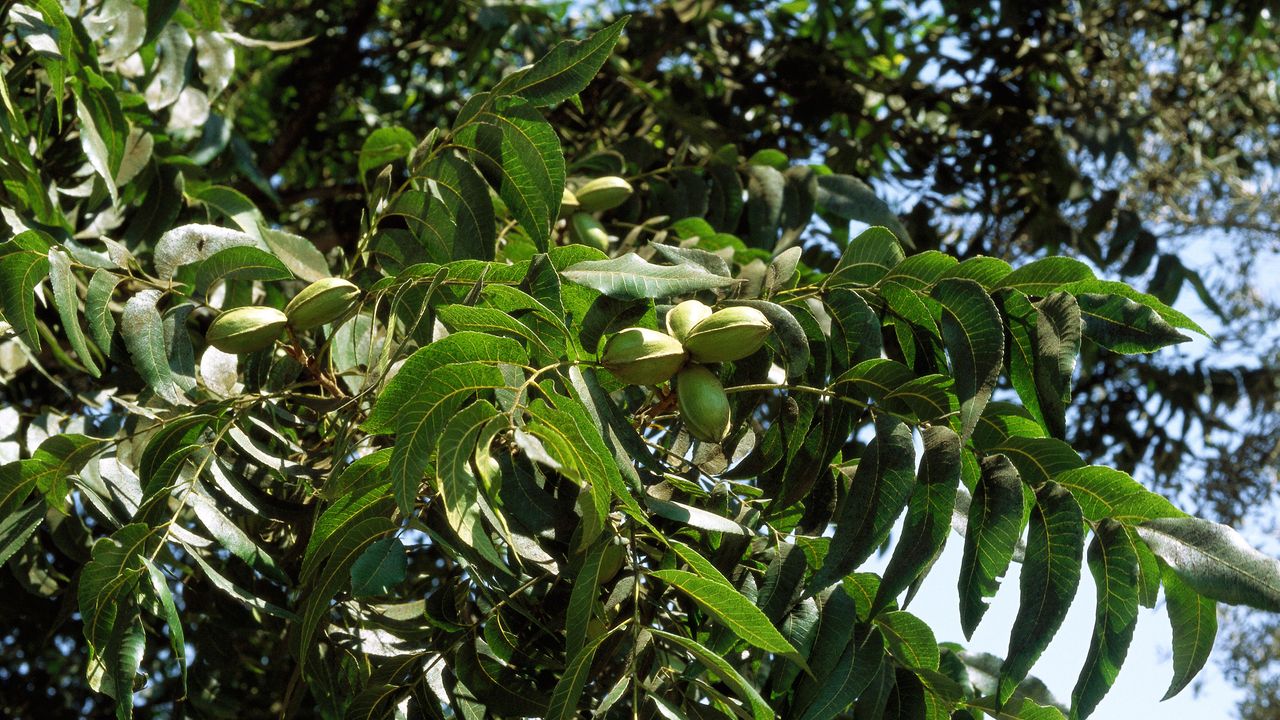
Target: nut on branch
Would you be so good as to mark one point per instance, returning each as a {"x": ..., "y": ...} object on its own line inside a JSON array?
[
  {"x": 586, "y": 230},
  {"x": 246, "y": 329},
  {"x": 641, "y": 356},
  {"x": 321, "y": 302},
  {"x": 603, "y": 193},
  {"x": 727, "y": 335},
  {"x": 682, "y": 318},
  {"x": 704, "y": 407}
]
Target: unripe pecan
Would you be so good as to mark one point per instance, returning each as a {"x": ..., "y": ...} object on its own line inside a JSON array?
[
  {"x": 640, "y": 356},
  {"x": 568, "y": 203},
  {"x": 704, "y": 407},
  {"x": 321, "y": 302},
  {"x": 246, "y": 329},
  {"x": 682, "y": 318},
  {"x": 586, "y": 230},
  {"x": 603, "y": 193},
  {"x": 727, "y": 335}
]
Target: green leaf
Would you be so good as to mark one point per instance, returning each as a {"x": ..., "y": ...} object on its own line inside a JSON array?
[
  {"x": 383, "y": 147},
  {"x": 849, "y": 198},
  {"x": 1050, "y": 575},
  {"x": 67, "y": 302},
  {"x": 460, "y": 347},
  {"x": 453, "y": 219},
  {"x": 512, "y": 140},
  {"x": 20, "y": 272},
  {"x": 233, "y": 204},
  {"x": 760, "y": 709},
  {"x": 1105, "y": 492},
  {"x": 1018, "y": 709},
  {"x": 974, "y": 337},
  {"x": 494, "y": 321},
  {"x": 727, "y": 605},
  {"x": 919, "y": 271},
  {"x": 232, "y": 537},
  {"x": 1039, "y": 459},
  {"x": 995, "y": 522},
  {"x": 628, "y": 277},
  {"x": 457, "y": 487},
  {"x": 928, "y": 522},
  {"x": 1045, "y": 342},
  {"x": 1194, "y": 621},
  {"x": 1043, "y": 276},
  {"x": 1107, "y": 287},
  {"x": 881, "y": 486},
  {"x": 1114, "y": 565},
  {"x": 1124, "y": 326},
  {"x": 564, "y": 71},
  {"x": 97, "y": 310},
  {"x": 364, "y": 493},
  {"x": 379, "y": 568},
  {"x": 18, "y": 526},
  {"x": 573, "y": 441},
  {"x": 769, "y": 157},
  {"x": 424, "y": 416},
  {"x": 568, "y": 690},
  {"x": 909, "y": 639},
  {"x": 177, "y": 641},
  {"x": 316, "y": 600},
  {"x": 867, "y": 258},
  {"x": 847, "y": 678},
  {"x": 986, "y": 271},
  {"x": 858, "y": 336},
  {"x": 240, "y": 263},
  {"x": 583, "y": 599},
  {"x": 143, "y": 331},
  {"x": 106, "y": 591},
  {"x": 1215, "y": 561},
  {"x": 297, "y": 253}
]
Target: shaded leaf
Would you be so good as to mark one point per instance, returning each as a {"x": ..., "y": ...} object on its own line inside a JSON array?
[
  {"x": 928, "y": 521},
  {"x": 849, "y": 198},
  {"x": 881, "y": 486},
  {"x": 1194, "y": 621},
  {"x": 731, "y": 677},
  {"x": 995, "y": 522},
  {"x": 1114, "y": 565},
  {"x": 379, "y": 568},
  {"x": 974, "y": 337},
  {"x": 1050, "y": 575},
  {"x": 564, "y": 71},
  {"x": 847, "y": 678}
]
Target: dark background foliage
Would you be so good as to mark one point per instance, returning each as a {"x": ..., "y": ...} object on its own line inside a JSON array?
[{"x": 1139, "y": 136}]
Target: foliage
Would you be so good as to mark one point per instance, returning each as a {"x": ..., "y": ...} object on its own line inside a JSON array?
[{"x": 441, "y": 503}]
